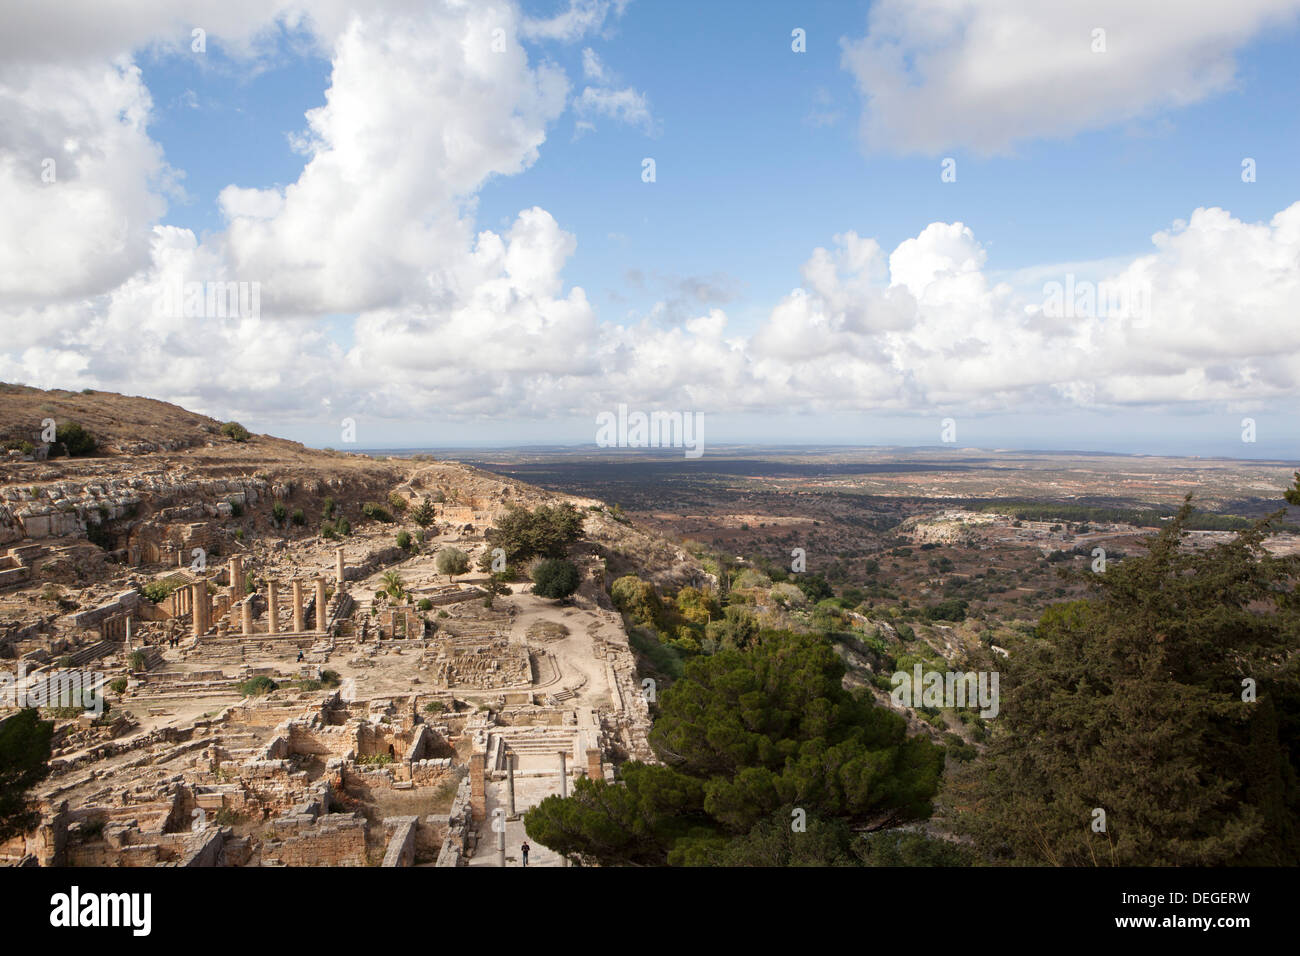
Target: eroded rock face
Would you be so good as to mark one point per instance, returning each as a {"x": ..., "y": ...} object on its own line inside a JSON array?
[{"x": 71, "y": 507}]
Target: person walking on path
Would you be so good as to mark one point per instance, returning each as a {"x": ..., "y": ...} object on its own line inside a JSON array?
[{"x": 524, "y": 848}]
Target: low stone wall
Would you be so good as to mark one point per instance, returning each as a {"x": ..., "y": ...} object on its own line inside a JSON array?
[
  {"x": 374, "y": 561},
  {"x": 337, "y": 839},
  {"x": 126, "y": 601},
  {"x": 401, "y": 846},
  {"x": 332, "y": 740},
  {"x": 458, "y": 827},
  {"x": 431, "y": 772},
  {"x": 205, "y": 848}
]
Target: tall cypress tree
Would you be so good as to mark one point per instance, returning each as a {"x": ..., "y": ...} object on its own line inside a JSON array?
[{"x": 1132, "y": 702}]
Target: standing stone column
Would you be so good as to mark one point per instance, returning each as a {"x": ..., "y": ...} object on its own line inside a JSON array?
[
  {"x": 299, "y": 624},
  {"x": 501, "y": 844},
  {"x": 510, "y": 781},
  {"x": 236, "y": 578},
  {"x": 128, "y": 632},
  {"x": 246, "y": 615},
  {"x": 198, "y": 591},
  {"x": 272, "y": 607},
  {"x": 338, "y": 567},
  {"x": 564, "y": 783},
  {"x": 321, "y": 620}
]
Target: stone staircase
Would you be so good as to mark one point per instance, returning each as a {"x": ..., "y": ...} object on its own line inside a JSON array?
[
  {"x": 153, "y": 658},
  {"x": 92, "y": 653},
  {"x": 542, "y": 743}
]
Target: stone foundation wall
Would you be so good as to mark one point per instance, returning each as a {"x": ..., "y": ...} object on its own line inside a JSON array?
[
  {"x": 336, "y": 840},
  {"x": 459, "y": 823},
  {"x": 327, "y": 741}
]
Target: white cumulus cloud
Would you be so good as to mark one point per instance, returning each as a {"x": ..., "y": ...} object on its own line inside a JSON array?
[{"x": 987, "y": 74}]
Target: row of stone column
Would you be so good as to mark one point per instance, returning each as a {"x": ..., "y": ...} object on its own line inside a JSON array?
[
  {"x": 198, "y": 602},
  {"x": 273, "y": 608},
  {"x": 194, "y": 600},
  {"x": 478, "y": 790},
  {"x": 478, "y": 779}
]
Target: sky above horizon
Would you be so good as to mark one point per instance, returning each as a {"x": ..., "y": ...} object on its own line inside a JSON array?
[{"x": 1069, "y": 225}]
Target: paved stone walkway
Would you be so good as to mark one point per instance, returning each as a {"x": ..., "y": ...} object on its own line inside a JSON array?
[{"x": 529, "y": 791}]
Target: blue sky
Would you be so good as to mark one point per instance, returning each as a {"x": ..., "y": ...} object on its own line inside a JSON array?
[
  {"x": 759, "y": 157},
  {"x": 762, "y": 155}
]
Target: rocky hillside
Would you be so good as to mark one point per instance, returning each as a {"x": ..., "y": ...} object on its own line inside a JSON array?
[
  {"x": 123, "y": 424},
  {"x": 162, "y": 478}
]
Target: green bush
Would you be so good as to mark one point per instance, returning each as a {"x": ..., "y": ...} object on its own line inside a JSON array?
[
  {"x": 546, "y": 532},
  {"x": 637, "y": 599},
  {"x": 372, "y": 509},
  {"x": 236, "y": 432},
  {"x": 663, "y": 658},
  {"x": 159, "y": 591},
  {"x": 555, "y": 578},
  {"x": 118, "y": 685},
  {"x": 75, "y": 439},
  {"x": 425, "y": 604},
  {"x": 749, "y": 578},
  {"x": 137, "y": 660},
  {"x": 330, "y": 678},
  {"x": 952, "y": 609},
  {"x": 424, "y": 513},
  {"x": 279, "y": 512},
  {"x": 452, "y": 561},
  {"x": 404, "y": 540},
  {"x": 255, "y": 686},
  {"x": 737, "y": 628},
  {"x": 911, "y": 849},
  {"x": 298, "y": 517}
]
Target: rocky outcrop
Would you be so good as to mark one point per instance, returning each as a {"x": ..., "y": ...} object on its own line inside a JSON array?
[{"x": 74, "y": 508}]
